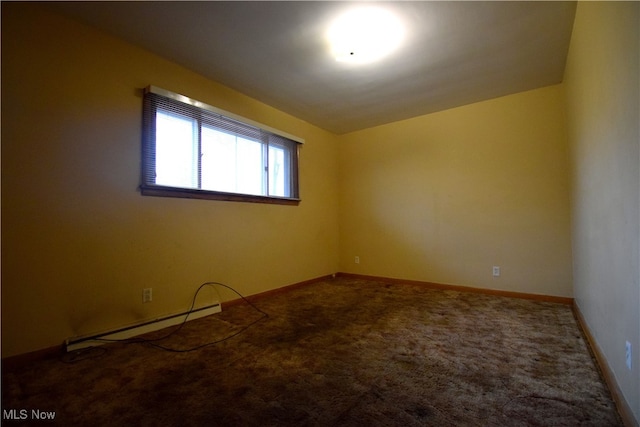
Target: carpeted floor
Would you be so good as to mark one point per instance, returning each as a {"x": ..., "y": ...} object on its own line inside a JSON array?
[{"x": 342, "y": 352}]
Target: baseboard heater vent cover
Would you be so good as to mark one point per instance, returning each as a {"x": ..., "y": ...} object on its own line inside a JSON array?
[{"x": 78, "y": 343}]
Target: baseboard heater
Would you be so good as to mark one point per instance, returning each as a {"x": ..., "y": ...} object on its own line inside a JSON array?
[{"x": 78, "y": 343}]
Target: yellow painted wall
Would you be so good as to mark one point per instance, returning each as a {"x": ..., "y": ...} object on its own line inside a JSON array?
[
  {"x": 79, "y": 242},
  {"x": 447, "y": 196},
  {"x": 602, "y": 81}
]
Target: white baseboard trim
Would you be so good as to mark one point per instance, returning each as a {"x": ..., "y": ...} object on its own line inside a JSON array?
[{"x": 126, "y": 332}]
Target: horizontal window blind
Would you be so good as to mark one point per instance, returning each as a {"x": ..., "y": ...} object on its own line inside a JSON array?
[{"x": 206, "y": 117}]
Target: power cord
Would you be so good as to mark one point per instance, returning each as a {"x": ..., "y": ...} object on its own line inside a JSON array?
[
  {"x": 82, "y": 353},
  {"x": 212, "y": 284}
]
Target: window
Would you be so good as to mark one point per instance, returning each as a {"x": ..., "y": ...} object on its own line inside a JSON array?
[{"x": 194, "y": 150}]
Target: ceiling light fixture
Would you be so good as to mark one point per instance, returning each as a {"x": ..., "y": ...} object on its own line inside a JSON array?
[{"x": 364, "y": 35}]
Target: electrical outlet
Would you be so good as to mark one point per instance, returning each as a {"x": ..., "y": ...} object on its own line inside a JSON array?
[
  {"x": 147, "y": 295},
  {"x": 496, "y": 271},
  {"x": 628, "y": 354},
  {"x": 357, "y": 260}
]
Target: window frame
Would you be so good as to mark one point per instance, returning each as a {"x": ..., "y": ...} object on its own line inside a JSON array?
[{"x": 192, "y": 108}]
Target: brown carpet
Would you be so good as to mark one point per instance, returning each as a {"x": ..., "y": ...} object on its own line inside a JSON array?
[{"x": 342, "y": 352}]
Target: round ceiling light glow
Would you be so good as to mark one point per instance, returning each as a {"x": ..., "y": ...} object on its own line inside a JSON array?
[{"x": 364, "y": 35}]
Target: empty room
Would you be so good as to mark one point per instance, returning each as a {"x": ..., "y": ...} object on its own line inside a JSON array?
[{"x": 321, "y": 213}]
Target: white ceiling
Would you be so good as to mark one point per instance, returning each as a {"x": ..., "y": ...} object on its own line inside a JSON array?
[{"x": 455, "y": 53}]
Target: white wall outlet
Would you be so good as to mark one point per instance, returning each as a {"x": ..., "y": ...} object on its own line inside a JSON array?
[
  {"x": 496, "y": 271},
  {"x": 357, "y": 260},
  {"x": 628, "y": 354},
  {"x": 147, "y": 295}
]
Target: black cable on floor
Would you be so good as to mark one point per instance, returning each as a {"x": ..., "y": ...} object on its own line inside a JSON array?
[{"x": 81, "y": 354}]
